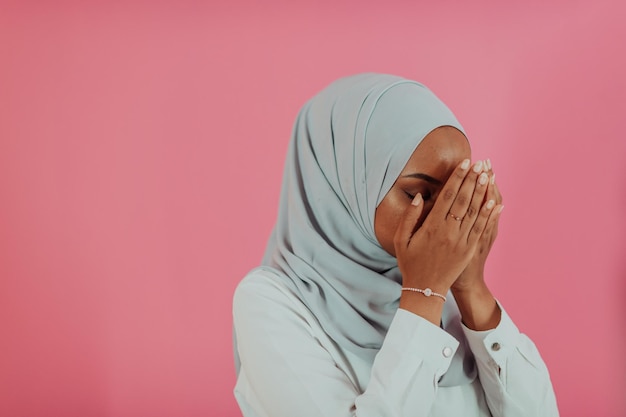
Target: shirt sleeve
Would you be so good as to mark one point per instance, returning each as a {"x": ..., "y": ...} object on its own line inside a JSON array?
[
  {"x": 514, "y": 378},
  {"x": 290, "y": 373}
]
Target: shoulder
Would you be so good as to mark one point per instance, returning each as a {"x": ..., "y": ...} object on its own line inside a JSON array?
[
  {"x": 265, "y": 293},
  {"x": 261, "y": 285}
]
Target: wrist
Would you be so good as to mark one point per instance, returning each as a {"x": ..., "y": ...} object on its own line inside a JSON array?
[
  {"x": 469, "y": 279},
  {"x": 429, "y": 308},
  {"x": 478, "y": 307},
  {"x": 470, "y": 288},
  {"x": 436, "y": 283}
]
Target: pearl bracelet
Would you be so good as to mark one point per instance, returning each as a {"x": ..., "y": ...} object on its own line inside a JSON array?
[{"x": 427, "y": 292}]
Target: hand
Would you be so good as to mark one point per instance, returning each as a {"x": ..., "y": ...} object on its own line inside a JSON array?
[
  {"x": 434, "y": 255},
  {"x": 473, "y": 274}
]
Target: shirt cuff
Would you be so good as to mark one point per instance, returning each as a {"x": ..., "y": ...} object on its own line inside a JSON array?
[
  {"x": 494, "y": 346},
  {"x": 414, "y": 336}
]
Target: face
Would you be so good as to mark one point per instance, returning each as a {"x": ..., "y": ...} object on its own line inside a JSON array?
[{"x": 427, "y": 170}]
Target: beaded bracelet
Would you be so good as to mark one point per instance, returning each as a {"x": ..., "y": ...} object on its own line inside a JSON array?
[{"x": 427, "y": 292}]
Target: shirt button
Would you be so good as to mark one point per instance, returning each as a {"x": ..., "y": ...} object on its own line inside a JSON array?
[
  {"x": 495, "y": 347},
  {"x": 447, "y": 352}
]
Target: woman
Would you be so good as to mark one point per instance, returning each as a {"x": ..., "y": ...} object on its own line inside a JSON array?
[{"x": 371, "y": 300}]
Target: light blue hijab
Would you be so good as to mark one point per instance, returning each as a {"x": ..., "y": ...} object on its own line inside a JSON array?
[{"x": 349, "y": 144}]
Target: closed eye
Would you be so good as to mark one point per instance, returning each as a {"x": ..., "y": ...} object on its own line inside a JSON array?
[{"x": 425, "y": 195}]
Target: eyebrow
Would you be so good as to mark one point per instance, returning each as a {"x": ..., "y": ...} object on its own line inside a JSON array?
[{"x": 424, "y": 177}]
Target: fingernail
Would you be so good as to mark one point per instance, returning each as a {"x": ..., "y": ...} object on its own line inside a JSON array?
[
  {"x": 417, "y": 199},
  {"x": 465, "y": 164},
  {"x": 483, "y": 178},
  {"x": 493, "y": 179},
  {"x": 488, "y": 163},
  {"x": 478, "y": 166},
  {"x": 490, "y": 204}
]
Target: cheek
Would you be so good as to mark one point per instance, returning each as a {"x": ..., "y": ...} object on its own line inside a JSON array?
[{"x": 389, "y": 215}]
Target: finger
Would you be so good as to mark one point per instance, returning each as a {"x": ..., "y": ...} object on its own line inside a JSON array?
[
  {"x": 498, "y": 195},
  {"x": 441, "y": 208},
  {"x": 406, "y": 228},
  {"x": 492, "y": 180},
  {"x": 463, "y": 199},
  {"x": 492, "y": 190},
  {"x": 479, "y": 225},
  {"x": 491, "y": 229},
  {"x": 478, "y": 199}
]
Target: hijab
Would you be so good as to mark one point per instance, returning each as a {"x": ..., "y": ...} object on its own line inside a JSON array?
[{"x": 349, "y": 144}]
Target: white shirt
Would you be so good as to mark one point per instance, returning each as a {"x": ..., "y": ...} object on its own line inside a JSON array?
[{"x": 291, "y": 368}]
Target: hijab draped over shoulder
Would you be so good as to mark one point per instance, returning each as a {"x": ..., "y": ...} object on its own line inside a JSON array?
[{"x": 349, "y": 144}]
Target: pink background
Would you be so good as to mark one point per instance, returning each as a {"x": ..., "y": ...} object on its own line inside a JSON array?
[{"x": 141, "y": 150}]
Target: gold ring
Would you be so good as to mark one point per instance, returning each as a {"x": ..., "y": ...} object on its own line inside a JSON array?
[{"x": 457, "y": 218}]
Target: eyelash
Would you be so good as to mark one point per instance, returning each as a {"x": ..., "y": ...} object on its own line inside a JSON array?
[{"x": 425, "y": 196}]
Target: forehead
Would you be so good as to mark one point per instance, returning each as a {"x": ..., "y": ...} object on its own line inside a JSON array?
[{"x": 441, "y": 149}]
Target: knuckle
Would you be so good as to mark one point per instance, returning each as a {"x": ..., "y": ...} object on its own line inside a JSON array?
[
  {"x": 445, "y": 241},
  {"x": 471, "y": 212},
  {"x": 462, "y": 199},
  {"x": 430, "y": 230},
  {"x": 448, "y": 194},
  {"x": 459, "y": 174},
  {"x": 472, "y": 178},
  {"x": 449, "y": 238}
]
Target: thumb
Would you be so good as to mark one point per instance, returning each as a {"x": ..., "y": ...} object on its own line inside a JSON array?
[{"x": 406, "y": 227}]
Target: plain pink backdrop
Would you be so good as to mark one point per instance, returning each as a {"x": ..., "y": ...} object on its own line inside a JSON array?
[{"x": 141, "y": 150}]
